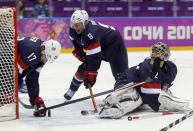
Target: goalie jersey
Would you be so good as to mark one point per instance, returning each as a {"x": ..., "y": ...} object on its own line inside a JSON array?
[
  {"x": 150, "y": 91},
  {"x": 101, "y": 42}
]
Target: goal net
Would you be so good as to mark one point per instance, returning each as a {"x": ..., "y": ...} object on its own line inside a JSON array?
[{"x": 8, "y": 65}]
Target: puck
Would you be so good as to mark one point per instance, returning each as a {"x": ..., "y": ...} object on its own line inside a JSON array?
[
  {"x": 129, "y": 118},
  {"x": 49, "y": 113},
  {"x": 84, "y": 112}
]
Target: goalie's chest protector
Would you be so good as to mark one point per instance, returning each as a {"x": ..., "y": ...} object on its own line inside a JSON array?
[{"x": 29, "y": 52}]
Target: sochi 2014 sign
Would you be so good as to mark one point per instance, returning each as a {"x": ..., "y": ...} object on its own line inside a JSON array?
[{"x": 143, "y": 32}]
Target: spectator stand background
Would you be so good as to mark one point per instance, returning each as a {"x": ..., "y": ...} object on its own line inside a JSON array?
[
  {"x": 138, "y": 33},
  {"x": 41, "y": 9},
  {"x": 47, "y": 28},
  {"x": 133, "y": 29},
  {"x": 111, "y": 9},
  {"x": 21, "y": 9}
]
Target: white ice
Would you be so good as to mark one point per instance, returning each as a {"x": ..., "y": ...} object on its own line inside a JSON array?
[{"x": 55, "y": 80}]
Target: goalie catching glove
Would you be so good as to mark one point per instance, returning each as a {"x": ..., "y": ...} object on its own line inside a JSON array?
[
  {"x": 90, "y": 78},
  {"x": 39, "y": 105},
  {"x": 155, "y": 68}
]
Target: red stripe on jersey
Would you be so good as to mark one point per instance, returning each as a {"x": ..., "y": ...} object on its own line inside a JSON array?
[
  {"x": 151, "y": 85},
  {"x": 79, "y": 76},
  {"x": 93, "y": 46},
  {"x": 20, "y": 62}
]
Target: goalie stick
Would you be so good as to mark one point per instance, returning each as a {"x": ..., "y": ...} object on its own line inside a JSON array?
[{"x": 177, "y": 121}]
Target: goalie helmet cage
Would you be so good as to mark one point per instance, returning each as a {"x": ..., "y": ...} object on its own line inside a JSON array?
[{"x": 8, "y": 64}]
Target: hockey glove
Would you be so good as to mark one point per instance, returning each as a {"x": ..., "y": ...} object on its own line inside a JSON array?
[
  {"x": 90, "y": 78},
  {"x": 155, "y": 68},
  {"x": 38, "y": 105},
  {"x": 80, "y": 54}
]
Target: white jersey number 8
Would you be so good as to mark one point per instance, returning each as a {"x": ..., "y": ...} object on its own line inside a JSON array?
[{"x": 90, "y": 36}]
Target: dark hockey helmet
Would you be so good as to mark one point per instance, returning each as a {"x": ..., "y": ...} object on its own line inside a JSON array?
[{"x": 163, "y": 48}]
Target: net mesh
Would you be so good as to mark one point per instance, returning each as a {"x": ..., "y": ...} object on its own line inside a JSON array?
[{"x": 7, "y": 58}]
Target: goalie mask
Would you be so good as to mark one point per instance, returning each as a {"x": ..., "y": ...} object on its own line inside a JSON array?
[
  {"x": 162, "y": 48},
  {"x": 79, "y": 16},
  {"x": 52, "y": 49}
]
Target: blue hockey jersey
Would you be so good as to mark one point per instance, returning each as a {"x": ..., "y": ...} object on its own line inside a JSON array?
[
  {"x": 29, "y": 64},
  {"x": 101, "y": 42},
  {"x": 29, "y": 52},
  {"x": 150, "y": 91}
]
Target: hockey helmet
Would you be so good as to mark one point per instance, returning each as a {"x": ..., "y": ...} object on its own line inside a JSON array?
[
  {"x": 79, "y": 16},
  {"x": 85, "y": 14},
  {"x": 163, "y": 49},
  {"x": 52, "y": 49}
]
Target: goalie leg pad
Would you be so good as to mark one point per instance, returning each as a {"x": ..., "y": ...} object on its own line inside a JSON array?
[
  {"x": 111, "y": 108},
  {"x": 171, "y": 103},
  {"x": 130, "y": 100},
  {"x": 111, "y": 100},
  {"x": 118, "y": 104},
  {"x": 114, "y": 112}
]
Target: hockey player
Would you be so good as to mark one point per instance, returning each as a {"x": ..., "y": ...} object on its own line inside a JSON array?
[
  {"x": 155, "y": 92},
  {"x": 23, "y": 87},
  {"x": 33, "y": 53},
  {"x": 101, "y": 42}
]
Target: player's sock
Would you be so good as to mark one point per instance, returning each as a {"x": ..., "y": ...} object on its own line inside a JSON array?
[{"x": 23, "y": 88}]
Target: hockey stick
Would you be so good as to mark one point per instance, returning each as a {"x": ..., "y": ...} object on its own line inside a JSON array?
[
  {"x": 93, "y": 100},
  {"x": 177, "y": 121},
  {"x": 25, "y": 105},
  {"x": 94, "y": 95},
  {"x": 129, "y": 85},
  {"x": 130, "y": 118},
  {"x": 86, "y": 112}
]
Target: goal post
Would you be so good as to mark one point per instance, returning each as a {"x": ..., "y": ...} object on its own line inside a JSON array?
[{"x": 8, "y": 65}]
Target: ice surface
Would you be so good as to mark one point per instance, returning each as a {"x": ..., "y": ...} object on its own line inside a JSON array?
[{"x": 55, "y": 80}]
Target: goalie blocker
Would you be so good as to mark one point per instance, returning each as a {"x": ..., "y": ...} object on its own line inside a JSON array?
[{"x": 155, "y": 92}]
